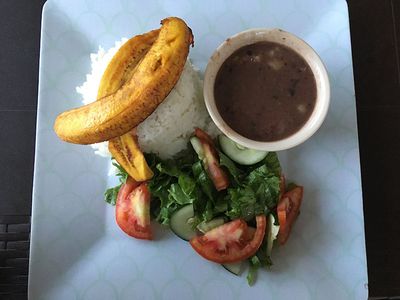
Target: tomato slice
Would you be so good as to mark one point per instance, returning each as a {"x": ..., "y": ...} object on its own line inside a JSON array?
[
  {"x": 230, "y": 242},
  {"x": 288, "y": 210},
  {"x": 202, "y": 135},
  {"x": 127, "y": 188},
  {"x": 216, "y": 173},
  {"x": 282, "y": 186},
  {"x": 211, "y": 161},
  {"x": 249, "y": 234},
  {"x": 133, "y": 210}
]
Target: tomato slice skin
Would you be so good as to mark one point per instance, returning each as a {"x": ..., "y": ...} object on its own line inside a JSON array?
[
  {"x": 216, "y": 173},
  {"x": 211, "y": 160},
  {"x": 127, "y": 188},
  {"x": 288, "y": 209},
  {"x": 230, "y": 242},
  {"x": 249, "y": 234},
  {"x": 202, "y": 135},
  {"x": 132, "y": 210},
  {"x": 282, "y": 186}
]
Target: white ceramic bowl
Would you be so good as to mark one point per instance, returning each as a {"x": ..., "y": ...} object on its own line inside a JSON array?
[{"x": 252, "y": 36}]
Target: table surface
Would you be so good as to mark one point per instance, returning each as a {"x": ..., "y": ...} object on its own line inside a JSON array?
[{"x": 375, "y": 34}]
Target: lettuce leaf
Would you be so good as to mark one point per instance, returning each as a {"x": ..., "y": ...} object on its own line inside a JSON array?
[
  {"x": 204, "y": 181},
  {"x": 253, "y": 190},
  {"x": 257, "y": 194},
  {"x": 111, "y": 194},
  {"x": 178, "y": 182},
  {"x": 234, "y": 172},
  {"x": 254, "y": 265},
  {"x": 272, "y": 163}
]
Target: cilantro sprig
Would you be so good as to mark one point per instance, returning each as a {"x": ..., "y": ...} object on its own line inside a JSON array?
[{"x": 111, "y": 194}]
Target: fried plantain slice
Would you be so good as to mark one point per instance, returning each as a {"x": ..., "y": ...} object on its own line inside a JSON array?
[
  {"x": 152, "y": 80},
  {"x": 123, "y": 64},
  {"x": 125, "y": 149}
]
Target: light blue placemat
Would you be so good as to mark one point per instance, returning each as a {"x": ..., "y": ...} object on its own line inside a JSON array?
[{"x": 77, "y": 250}]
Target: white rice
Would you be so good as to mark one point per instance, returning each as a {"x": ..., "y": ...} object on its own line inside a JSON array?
[{"x": 167, "y": 130}]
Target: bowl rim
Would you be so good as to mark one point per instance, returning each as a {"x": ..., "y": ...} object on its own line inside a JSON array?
[{"x": 251, "y": 36}]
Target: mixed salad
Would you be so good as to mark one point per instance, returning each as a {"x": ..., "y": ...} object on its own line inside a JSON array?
[{"x": 231, "y": 203}]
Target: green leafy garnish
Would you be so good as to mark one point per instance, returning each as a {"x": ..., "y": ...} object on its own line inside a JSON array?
[
  {"x": 263, "y": 255},
  {"x": 174, "y": 185},
  {"x": 234, "y": 172},
  {"x": 121, "y": 173},
  {"x": 257, "y": 194},
  {"x": 254, "y": 265},
  {"x": 273, "y": 164},
  {"x": 204, "y": 181},
  {"x": 111, "y": 194},
  {"x": 253, "y": 190}
]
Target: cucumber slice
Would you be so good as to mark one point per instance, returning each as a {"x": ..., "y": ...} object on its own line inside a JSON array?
[
  {"x": 240, "y": 154},
  {"x": 272, "y": 233},
  {"x": 181, "y": 222},
  {"x": 234, "y": 268},
  {"x": 207, "y": 226},
  {"x": 198, "y": 148}
]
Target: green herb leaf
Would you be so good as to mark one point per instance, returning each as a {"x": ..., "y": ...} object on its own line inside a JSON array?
[
  {"x": 168, "y": 167},
  {"x": 177, "y": 195},
  {"x": 111, "y": 194},
  {"x": 255, "y": 264},
  {"x": 272, "y": 163},
  {"x": 121, "y": 173},
  {"x": 188, "y": 186},
  {"x": 221, "y": 205},
  {"x": 234, "y": 171},
  {"x": 243, "y": 203},
  {"x": 262, "y": 254},
  {"x": 208, "y": 213},
  {"x": 204, "y": 181},
  {"x": 174, "y": 185},
  {"x": 257, "y": 194},
  {"x": 265, "y": 184}
]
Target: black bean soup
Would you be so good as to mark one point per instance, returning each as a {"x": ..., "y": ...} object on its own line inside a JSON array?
[{"x": 265, "y": 91}]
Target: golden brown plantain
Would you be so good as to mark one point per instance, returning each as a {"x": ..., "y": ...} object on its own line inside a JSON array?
[
  {"x": 153, "y": 79},
  {"x": 121, "y": 67},
  {"x": 125, "y": 149}
]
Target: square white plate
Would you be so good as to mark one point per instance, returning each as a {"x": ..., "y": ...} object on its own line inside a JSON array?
[{"x": 77, "y": 250}]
